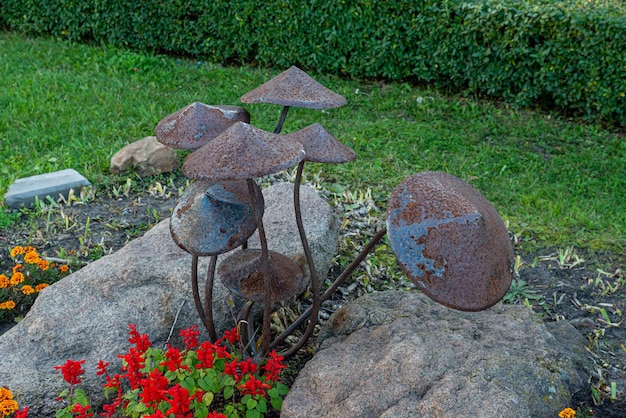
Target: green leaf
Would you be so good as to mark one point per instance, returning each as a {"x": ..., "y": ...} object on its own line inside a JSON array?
[
  {"x": 208, "y": 397},
  {"x": 251, "y": 403},
  {"x": 229, "y": 391}
]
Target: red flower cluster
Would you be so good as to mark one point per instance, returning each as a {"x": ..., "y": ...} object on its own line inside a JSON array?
[{"x": 154, "y": 377}]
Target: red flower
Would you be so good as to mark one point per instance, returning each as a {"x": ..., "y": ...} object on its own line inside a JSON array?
[
  {"x": 273, "y": 366},
  {"x": 215, "y": 415},
  {"x": 205, "y": 355},
  {"x": 247, "y": 366},
  {"x": 231, "y": 335},
  {"x": 102, "y": 368},
  {"x": 174, "y": 360},
  {"x": 154, "y": 387},
  {"x": 253, "y": 387},
  {"x": 232, "y": 369},
  {"x": 190, "y": 336},
  {"x": 23, "y": 413},
  {"x": 82, "y": 411},
  {"x": 71, "y": 371},
  {"x": 134, "y": 364},
  {"x": 179, "y": 401},
  {"x": 140, "y": 341},
  {"x": 157, "y": 414}
]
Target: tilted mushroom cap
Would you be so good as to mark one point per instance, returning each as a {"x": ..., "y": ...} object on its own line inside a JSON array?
[
  {"x": 241, "y": 274},
  {"x": 450, "y": 241},
  {"x": 243, "y": 152},
  {"x": 213, "y": 218},
  {"x": 295, "y": 88},
  {"x": 196, "y": 124},
  {"x": 321, "y": 147}
]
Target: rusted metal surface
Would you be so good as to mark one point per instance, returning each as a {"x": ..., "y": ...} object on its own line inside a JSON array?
[
  {"x": 321, "y": 147},
  {"x": 241, "y": 274},
  {"x": 196, "y": 124},
  {"x": 450, "y": 241},
  {"x": 242, "y": 152},
  {"x": 213, "y": 218},
  {"x": 294, "y": 88}
]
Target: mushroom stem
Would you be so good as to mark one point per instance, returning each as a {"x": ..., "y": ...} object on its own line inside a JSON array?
[
  {"x": 208, "y": 299},
  {"x": 315, "y": 307},
  {"x": 196, "y": 292},
  {"x": 338, "y": 281},
  {"x": 264, "y": 267},
  {"x": 283, "y": 116}
]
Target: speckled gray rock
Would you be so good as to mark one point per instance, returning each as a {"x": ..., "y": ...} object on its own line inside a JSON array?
[
  {"x": 399, "y": 354},
  {"x": 86, "y": 315}
]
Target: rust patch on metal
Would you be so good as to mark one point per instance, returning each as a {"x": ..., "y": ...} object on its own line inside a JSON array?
[
  {"x": 197, "y": 124},
  {"x": 241, "y": 274},
  {"x": 450, "y": 241},
  {"x": 321, "y": 147},
  {"x": 294, "y": 88},
  {"x": 243, "y": 152},
  {"x": 214, "y": 217}
]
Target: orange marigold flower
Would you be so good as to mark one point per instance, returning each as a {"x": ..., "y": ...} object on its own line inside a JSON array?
[
  {"x": 31, "y": 257},
  {"x": 567, "y": 413},
  {"x": 64, "y": 268},
  {"x": 16, "y": 278},
  {"x": 4, "y": 281},
  {"x": 28, "y": 290},
  {"x": 7, "y": 407},
  {"x": 5, "y": 394},
  {"x": 29, "y": 248},
  {"x": 8, "y": 305},
  {"x": 18, "y": 267},
  {"x": 40, "y": 287},
  {"x": 43, "y": 264},
  {"x": 17, "y": 250}
]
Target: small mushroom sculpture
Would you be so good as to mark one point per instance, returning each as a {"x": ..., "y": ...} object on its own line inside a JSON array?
[{"x": 246, "y": 152}]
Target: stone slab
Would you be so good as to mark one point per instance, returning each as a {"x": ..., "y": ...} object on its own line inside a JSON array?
[{"x": 24, "y": 191}]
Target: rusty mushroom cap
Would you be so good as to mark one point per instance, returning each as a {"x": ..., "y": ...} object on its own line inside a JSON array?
[
  {"x": 213, "y": 218},
  {"x": 321, "y": 147},
  {"x": 196, "y": 124},
  {"x": 243, "y": 152},
  {"x": 295, "y": 88},
  {"x": 241, "y": 274},
  {"x": 450, "y": 241}
]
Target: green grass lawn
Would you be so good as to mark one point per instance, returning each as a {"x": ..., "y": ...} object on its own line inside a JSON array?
[{"x": 556, "y": 183}]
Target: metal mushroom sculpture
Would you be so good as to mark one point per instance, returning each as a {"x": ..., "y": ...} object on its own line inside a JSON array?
[{"x": 446, "y": 236}]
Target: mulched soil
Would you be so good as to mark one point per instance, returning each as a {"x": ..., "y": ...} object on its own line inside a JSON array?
[{"x": 590, "y": 293}]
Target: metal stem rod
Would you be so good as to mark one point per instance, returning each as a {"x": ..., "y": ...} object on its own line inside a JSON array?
[{"x": 338, "y": 281}]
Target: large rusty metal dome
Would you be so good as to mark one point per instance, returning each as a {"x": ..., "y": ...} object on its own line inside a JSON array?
[{"x": 450, "y": 241}]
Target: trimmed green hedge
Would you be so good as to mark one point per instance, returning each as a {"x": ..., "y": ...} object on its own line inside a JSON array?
[{"x": 570, "y": 54}]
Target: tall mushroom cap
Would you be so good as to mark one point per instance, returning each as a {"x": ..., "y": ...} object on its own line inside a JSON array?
[
  {"x": 241, "y": 274},
  {"x": 294, "y": 88},
  {"x": 196, "y": 124},
  {"x": 213, "y": 218},
  {"x": 321, "y": 147},
  {"x": 242, "y": 152}
]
